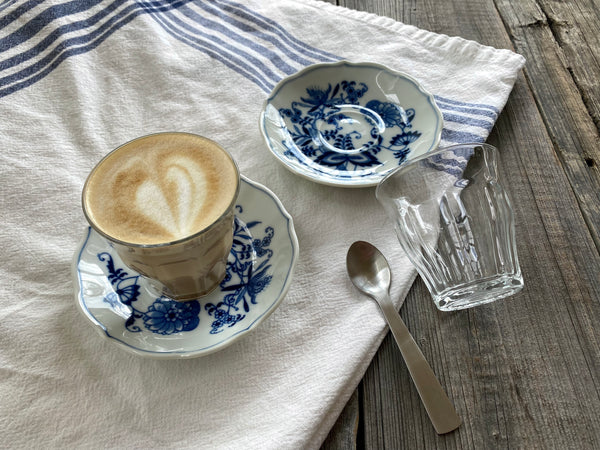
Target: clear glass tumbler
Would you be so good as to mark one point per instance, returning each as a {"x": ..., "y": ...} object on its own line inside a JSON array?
[{"x": 455, "y": 222}]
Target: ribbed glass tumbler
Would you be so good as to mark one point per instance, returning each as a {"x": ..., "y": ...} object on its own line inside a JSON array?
[{"x": 455, "y": 222}]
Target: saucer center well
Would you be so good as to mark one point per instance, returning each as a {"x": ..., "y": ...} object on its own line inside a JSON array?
[{"x": 350, "y": 128}]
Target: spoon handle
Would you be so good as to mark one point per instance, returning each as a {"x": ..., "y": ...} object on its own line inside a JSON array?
[{"x": 437, "y": 404}]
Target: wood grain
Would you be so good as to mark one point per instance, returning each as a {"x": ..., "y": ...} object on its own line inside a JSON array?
[
  {"x": 523, "y": 372},
  {"x": 563, "y": 74}
]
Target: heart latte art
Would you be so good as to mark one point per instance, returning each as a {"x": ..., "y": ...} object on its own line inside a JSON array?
[{"x": 160, "y": 188}]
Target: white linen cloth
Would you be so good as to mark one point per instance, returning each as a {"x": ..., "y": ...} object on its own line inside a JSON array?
[{"x": 79, "y": 78}]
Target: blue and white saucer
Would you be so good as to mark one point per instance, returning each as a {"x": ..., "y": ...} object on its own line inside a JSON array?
[
  {"x": 124, "y": 308},
  {"x": 349, "y": 124}
]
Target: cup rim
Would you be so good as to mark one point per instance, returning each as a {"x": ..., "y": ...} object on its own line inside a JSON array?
[
  {"x": 427, "y": 155},
  {"x": 176, "y": 241}
]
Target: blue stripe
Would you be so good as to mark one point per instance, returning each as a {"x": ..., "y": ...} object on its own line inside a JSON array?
[
  {"x": 229, "y": 51},
  {"x": 455, "y": 171},
  {"x": 7, "y": 4},
  {"x": 476, "y": 112},
  {"x": 45, "y": 66},
  {"x": 469, "y": 110},
  {"x": 256, "y": 32},
  {"x": 33, "y": 26},
  {"x": 205, "y": 46},
  {"x": 212, "y": 25},
  {"x": 22, "y": 9},
  {"x": 234, "y": 57},
  {"x": 439, "y": 98},
  {"x": 57, "y": 33},
  {"x": 460, "y": 156},
  {"x": 454, "y": 166},
  {"x": 464, "y": 120},
  {"x": 461, "y": 137},
  {"x": 272, "y": 26}
]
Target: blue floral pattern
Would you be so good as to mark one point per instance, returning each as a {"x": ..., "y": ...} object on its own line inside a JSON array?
[
  {"x": 165, "y": 316},
  {"x": 334, "y": 145},
  {"x": 248, "y": 273},
  {"x": 245, "y": 278}
]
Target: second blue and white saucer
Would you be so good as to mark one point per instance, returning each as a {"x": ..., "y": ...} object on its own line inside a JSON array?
[{"x": 349, "y": 124}]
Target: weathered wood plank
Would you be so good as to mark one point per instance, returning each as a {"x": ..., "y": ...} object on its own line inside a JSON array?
[
  {"x": 562, "y": 47},
  {"x": 344, "y": 434},
  {"x": 574, "y": 26}
]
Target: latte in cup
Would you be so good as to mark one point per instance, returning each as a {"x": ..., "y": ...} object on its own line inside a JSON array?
[{"x": 166, "y": 203}]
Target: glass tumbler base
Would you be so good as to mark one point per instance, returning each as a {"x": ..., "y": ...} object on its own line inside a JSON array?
[{"x": 478, "y": 293}]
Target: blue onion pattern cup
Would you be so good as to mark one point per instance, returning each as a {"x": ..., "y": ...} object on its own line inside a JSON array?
[{"x": 455, "y": 223}]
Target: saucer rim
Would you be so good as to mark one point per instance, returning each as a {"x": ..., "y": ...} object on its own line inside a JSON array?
[
  {"x": 204, "y": 351},
  {"x": 371, "y": 180}
]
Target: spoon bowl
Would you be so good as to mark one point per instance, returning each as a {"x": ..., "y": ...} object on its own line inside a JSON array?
[
  {"x": 368, "y": 269},
  {"x": 370, "y": 273}
]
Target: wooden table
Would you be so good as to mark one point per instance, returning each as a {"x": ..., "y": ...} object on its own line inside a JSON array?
[{"x": 523, "y": 372}]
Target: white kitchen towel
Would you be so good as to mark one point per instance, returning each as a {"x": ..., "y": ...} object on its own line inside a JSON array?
[{"x": 78, "y": 78}]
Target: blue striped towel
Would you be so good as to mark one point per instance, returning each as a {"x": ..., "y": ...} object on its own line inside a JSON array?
[{"x": 78, "y": 78}]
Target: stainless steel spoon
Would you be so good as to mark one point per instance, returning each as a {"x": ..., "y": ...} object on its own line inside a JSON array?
[{"x": 370, "y": 273}]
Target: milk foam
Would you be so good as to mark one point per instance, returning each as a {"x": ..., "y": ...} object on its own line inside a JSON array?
[
  {"x": 160, "y": 188},
  {"x": 179, "y": 210}
]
